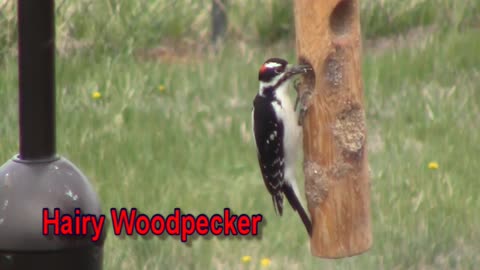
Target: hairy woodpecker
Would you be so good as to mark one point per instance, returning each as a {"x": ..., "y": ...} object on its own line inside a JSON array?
[{"x": 276, "y": 132}]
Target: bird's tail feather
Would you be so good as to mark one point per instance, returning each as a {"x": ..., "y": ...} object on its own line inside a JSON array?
[
  {"x": 278, "y": 203},
  {"x": 297, "y": 206}
]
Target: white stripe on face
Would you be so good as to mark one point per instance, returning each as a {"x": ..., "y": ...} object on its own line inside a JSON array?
[
  {"x": 270, "y": 83},
  {"x": 272, "y": 65}
]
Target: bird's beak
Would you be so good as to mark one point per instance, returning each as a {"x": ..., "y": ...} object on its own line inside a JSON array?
[{"x": 298, "y": 69}]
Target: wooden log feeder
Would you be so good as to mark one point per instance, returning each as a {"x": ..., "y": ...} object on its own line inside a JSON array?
[{"x": 334, "y": 137}]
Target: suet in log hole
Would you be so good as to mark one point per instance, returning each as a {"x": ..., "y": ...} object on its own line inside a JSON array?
[
  {"x": 316, "y": 183},
  {"x": 334, "y": 69},
  {"x": 350, "y": 133},
  {"x": 341, "y": 19}
]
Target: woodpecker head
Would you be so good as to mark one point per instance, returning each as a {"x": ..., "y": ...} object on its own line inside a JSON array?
[{"x": 276, "y": 72}]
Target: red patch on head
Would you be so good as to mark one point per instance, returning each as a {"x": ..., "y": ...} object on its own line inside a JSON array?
[{"x": 263, "y": 68}]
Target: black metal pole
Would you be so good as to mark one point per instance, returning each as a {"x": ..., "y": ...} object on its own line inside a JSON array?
[
  {"x": 36, "y": 48},
  {"x": 37, "y": 179}
]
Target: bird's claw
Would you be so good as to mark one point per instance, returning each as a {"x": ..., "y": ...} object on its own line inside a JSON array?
[
  {"x": 296, "y": 85},
  {"x": 303, "y": 99}
]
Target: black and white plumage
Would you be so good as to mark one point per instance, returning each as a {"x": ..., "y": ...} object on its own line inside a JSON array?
[{"x": 276, "y": 133}]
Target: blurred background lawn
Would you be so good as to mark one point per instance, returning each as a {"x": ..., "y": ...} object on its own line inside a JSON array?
[{"x": 158, "y": 120}]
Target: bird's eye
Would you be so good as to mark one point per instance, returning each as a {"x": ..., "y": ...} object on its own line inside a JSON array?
[{"x": 278, "y": 70}]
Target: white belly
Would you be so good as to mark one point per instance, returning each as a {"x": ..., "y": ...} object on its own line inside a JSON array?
[{"x": 292, "y": 132}]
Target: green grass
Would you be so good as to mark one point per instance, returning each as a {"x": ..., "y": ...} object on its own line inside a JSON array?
[
  {"x": 190, "y": 146},
  {"x": 122, "y": 26},
  {"x": 387, "y": 17}
]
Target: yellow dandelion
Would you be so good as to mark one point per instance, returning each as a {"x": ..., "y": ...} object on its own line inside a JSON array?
[
  {"x": 265, "y": 262},
  {"x": 161, "y": 88},
  {"x": 246, "y": 259},
  {"x": 96, "y": 95},
  {"x": 433, "y": 165}
]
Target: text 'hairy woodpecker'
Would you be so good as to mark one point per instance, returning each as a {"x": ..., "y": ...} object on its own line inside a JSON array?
[{"x": 277, "y": 134}]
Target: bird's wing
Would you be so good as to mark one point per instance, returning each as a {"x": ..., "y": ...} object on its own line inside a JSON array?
[{"x": 268, "y": 134}]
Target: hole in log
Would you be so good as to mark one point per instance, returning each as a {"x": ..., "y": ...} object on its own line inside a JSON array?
[
  {"x": 334, "y": 68},
  {"x": 341, "y": 19},
  {"x": 305, "y": 87},
  {"x": 309, "y": 78},
  {"x": 349, "y": 132},
  {"x": 316, "y": 183}
]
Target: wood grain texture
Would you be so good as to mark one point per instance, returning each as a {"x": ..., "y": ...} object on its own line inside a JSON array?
[{"x": 335, "y": 162}]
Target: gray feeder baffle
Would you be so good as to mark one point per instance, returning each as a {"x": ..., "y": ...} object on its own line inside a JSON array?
[{"x": 37, "y": 178}]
